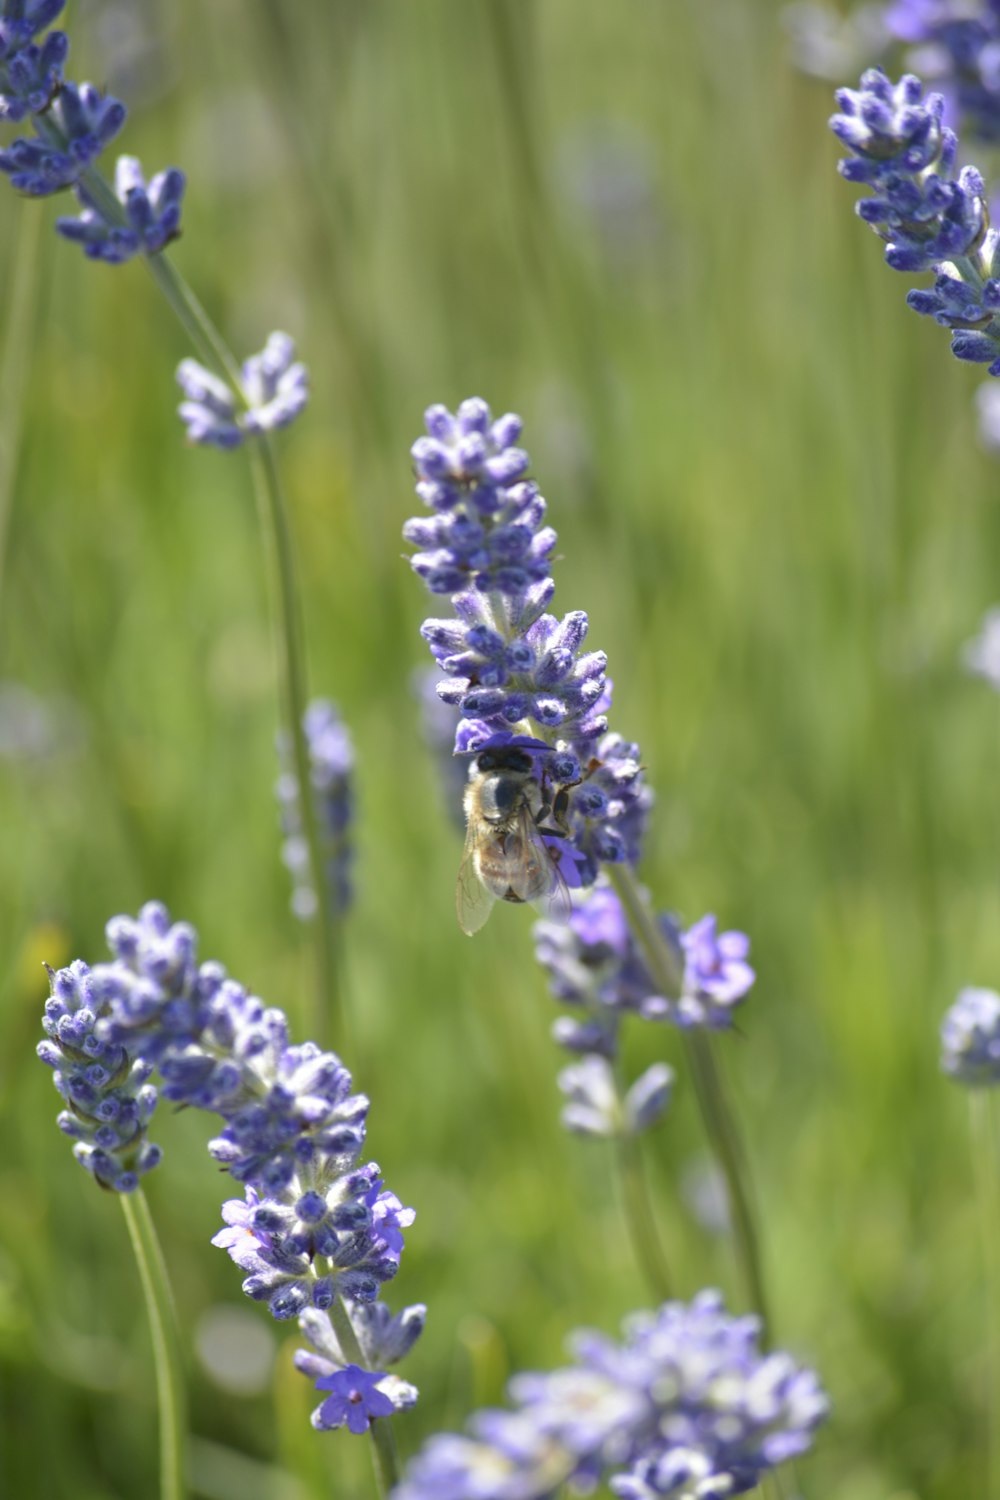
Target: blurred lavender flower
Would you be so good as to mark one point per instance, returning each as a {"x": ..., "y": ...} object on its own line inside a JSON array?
[
  {"x": 331, "y": 767},
  {"x": 71, "y": 135},
  {"x": 929, "y": 220},
  {"x": 686, "y": 1406},
  {"x": 313, "y": 1225},
  {"x": 151, "y": 212},
  {"x": 105, "y": 1086},
  {"x": 828, "y": 44},
  {"x": 508, "y": 665},
  {"x": 438, "y": 723},
  {"x": 275, "y": 391},
  {"x": 716, "y": 975},
  {"x": 595, "y": 1106},
  {"x": 957, "y": 46},
  {"x": 981, "y": 655},
  {"x": 30, "y": 75},
  {"x": 970, "y": 1038}
]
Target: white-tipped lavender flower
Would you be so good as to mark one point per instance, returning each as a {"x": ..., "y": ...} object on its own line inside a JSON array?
[
  {"x": 685, "y": 1406},
  {"x": 151, "y": 211},
  {"x": 314, "y": 1225},
  {"x": 275, "y": 391},
  {"x": 930, "y": 220},
  {"x": 331, "y": 770},
  {"x": 106, "y": 1088},
  {"x": 981, "y": 655},
  {"x": 595, "y": 1107},
  {"x": 507, "y": 665},
  {"x": 970, "y": 1038}
]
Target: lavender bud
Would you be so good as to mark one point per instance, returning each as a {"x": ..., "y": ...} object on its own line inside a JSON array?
[{"x": 331, "y": 771}]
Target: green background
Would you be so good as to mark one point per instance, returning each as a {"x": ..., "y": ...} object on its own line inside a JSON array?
[{"x": 624, "y": 222}]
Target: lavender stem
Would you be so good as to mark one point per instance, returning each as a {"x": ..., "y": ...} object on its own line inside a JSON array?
[
  {"x": 984, "y": 1156},
  {"x": 170, "y": 1392}
]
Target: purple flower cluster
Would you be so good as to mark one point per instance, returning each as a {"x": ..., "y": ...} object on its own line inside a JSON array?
[
  {"x": 331, "y": 768},
  {"x": 151, "y": 213},
  {"x": 970, "y": 1038},
  {"x": 314, "y": 1224},
  {"x": 72, "y": 124},
  {"x": 508, "y": 666},
  {"x": 930, "y": 220},
  {"x": 109, "y": 1097},
  {"x": 960, "y": 51},
  {"x": 596, "y": 967},
  {"x": 274, "y": 388},
  {"x": 685, "y": 1406}
]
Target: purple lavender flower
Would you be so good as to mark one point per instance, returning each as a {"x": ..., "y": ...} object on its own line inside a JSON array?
[
  {"x": 331, "y": 769},
  {"x": 929, "y": 220},
  {"x": 30, "y": 75},
  {"x": 970, "y": 1038},
  {"x": 716, "y": 975},
  {"x": 383, "y": 1339},
  {"x": 314, "y": 1224},
  {"x": 275, "y": 390},
  {"x": 509, "y": 667},
  {"x": 72, "y": 134},
  {"x": 110, "y": 1100},
  {"x": 151, "y": 213},
  {"x": 355, "y": 1399},
  {"x": 959, "y": 50},
  {"x": 686, "y": 1405}
]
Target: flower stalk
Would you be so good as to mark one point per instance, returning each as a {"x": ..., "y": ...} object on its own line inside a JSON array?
[
  {"x": 170, "y": 1389},
  {"x": 982, "y": 1114},
  {"x": 720, "y": 1125}
]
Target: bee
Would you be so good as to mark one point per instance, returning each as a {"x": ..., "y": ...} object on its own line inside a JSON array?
[{"x": 506, "y": 858}]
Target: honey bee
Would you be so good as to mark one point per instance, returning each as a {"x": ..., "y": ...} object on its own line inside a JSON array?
[{"x": 506, "y": 858}]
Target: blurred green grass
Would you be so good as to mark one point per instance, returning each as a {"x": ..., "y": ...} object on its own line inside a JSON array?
[{"x": 769, "y": 496}]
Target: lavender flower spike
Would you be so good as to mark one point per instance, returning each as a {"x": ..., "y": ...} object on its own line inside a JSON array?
[
  {"x": 970, "y": 1039},
  {"x": 685, "y": 1406},
  {"x": 930, "y": 220},
  {"x": 331, "y": 766},
  {"x": 152, "y": 214},
  {"x": 314, "y": 1224},
  {"x": 517, "y": 674},
  {"x": 106, "y": 1088},
  {"x": 77, "y": 127},
  {"x": 275, "y": 388}
]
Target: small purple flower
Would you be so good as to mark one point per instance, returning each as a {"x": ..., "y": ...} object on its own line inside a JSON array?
[
  {"x": 970, "y": 1038},
  {"x": 355, "y": 1400},
  {"x": 151, "y": 213},
  {"x": 275, "y": 389},
  {"x": 685, "y": 1405},
  {"x": 30, "y": 76},
  {"x": 930, "y": 220},
  {"x": 716, "y": 975},
  {"x": 331, "y": 770},
  {"x": 79, "y": 124}
]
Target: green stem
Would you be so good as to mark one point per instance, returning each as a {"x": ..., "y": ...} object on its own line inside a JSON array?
[
  {"x": 984, "y": 1156},
  {"x": 717, "y": 1117},
  {"x": 274, "y": 521},
  {"x": 22, "y": 300},
  {"x": 276, "y": 528},
  {"x": 646, "y": 1243},
  {"x": 170, "y": 1393},
  {"x": 385, "y": 1458}
]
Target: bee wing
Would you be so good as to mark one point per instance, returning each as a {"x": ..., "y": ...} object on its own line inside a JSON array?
[
  {"x": 537, "y": 877},
  {"x": 473, "y": 902}
]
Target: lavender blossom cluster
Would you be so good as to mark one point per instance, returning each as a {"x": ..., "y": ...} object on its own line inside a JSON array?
[
  {"x": 929, "y": 219},
  {"x": 72, "y": 124},
  {"x": 508, "y": 666},
  {"x": 970, "y": 1038},
  {"x": 314, "y": 1226},
  {"x": 331, "y": 771},
  {"x": 274, "y": 390},
  {"x": 596, "y": 967},
  {"x": 685, "y": 1406}
]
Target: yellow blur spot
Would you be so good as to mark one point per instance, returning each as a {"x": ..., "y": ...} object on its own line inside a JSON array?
[{"x": 47, "y": 943}]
